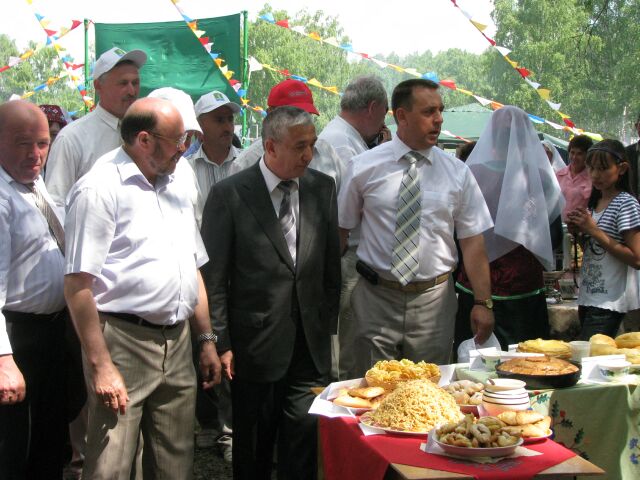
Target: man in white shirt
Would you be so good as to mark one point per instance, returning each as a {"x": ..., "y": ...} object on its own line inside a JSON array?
[
  {"x": 294, "y": 93},
  {"x": 133, "y": 287},
  {"x": 32, "y": 318},
  {"x": 78, "y": 146},
  {"x": 359, "y": 124},
  {"x": 213, "y": 161},
  {"x": 407, "y": 196}
]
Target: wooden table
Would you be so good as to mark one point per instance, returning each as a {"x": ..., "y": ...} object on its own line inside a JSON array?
[{"x": 569, "y": 468}]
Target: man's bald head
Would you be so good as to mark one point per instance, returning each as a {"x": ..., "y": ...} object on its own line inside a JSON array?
[
  {"x": 24, "y": 140},
  {"x": 154, "y": 136}
]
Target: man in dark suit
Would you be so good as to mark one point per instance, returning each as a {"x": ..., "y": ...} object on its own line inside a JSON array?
[
  {"x": 633, "y": 154},
  {"x": 273, "y": 285}
]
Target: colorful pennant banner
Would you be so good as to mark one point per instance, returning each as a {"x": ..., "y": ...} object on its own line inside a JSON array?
[
  {"x": 207, "y": 44},
  {"x": 544, "y": 93},
  {"x": 433, "y": 76}
]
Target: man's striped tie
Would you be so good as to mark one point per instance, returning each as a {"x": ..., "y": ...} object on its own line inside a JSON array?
[
  {"x": 287, "y": 220},
  {"x": 52, "y": 221},
  {"x": 405, "y": 257}
]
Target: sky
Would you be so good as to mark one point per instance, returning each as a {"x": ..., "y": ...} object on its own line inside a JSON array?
[{"x": 374, "y": 26}]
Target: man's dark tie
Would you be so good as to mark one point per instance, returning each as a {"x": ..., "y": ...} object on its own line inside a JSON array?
[
  {"x": 54, "y": 224},
  {"x": 287, "y": 220}
]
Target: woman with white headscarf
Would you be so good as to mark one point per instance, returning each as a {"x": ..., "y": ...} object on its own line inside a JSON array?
[
  {"x": 553, "y": 155},
  {"x": 524, "y": 198}
]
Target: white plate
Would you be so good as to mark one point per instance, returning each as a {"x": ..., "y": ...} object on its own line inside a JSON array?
[
  {"x": 528, "y": 440},
  {"x": 478, "y": 452},
  {"x": 366, "y": 420}
]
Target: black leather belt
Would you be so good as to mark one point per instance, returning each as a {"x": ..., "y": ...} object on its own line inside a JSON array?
[
  {"x": 13, "y": 316},
  {"x": 137, "y": 320}
]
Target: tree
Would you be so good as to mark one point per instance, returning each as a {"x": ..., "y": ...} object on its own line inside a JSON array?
[{"x": 35, "y": 71}]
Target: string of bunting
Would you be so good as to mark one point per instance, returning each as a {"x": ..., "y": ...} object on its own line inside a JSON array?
[
  {"x": 433, "y": 76},
  {"x": 255, "y": 65},
  {"x": 67, "y": 59},
  {"x": 525, "y": 73},
  {"x": 207, "y": 44},
  {"x": 13, "y": 61}
]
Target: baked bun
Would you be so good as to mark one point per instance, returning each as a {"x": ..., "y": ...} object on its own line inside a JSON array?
[
  {"x": 352, "y": 402},
  {"x": 598, "y": 349},
  {"x": 366, "y": 392},
  {"x": 526, "y": 431},
  {"x": 600, "y": 339},
  {"x": 521, "y": 417},
  {"x": 552, "y": 348},
  {"x": 628, "y": 340},
  {"x": 632, "y": 354}
]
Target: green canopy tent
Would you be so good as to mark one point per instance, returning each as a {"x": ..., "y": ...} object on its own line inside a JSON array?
[{"x": 176, "y": 58}]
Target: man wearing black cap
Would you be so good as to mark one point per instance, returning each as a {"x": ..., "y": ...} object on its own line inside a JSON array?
[{"x": 117, "y": 83}]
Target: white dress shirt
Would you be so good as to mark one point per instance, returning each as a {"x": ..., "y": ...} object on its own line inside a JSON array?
[
  {"x": 31, "y": 264},
  {"x": 140, "y": 242},
  {"x": 325, "y": 159},
  {"x": 451, "y": 199},
  {"x": 76, "y": 149},
  {"x": 272, "y": 181},
  {"x": 208, "y": 173}
]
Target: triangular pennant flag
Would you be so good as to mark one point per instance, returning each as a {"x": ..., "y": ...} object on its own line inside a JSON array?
[
  {"x": 27, "y": 95},
  {"x": 363, "y": 55},
  {"x": 544, "y": 93},
  {"x": 63, "y": 31},
  {"x": 554, "y": 106},
  {"x": 299, "y": 29},
  {"x": 331, "y": 41},
  {"x": 380, "y": 63},
  {"x": 193, "y": 25},
  {"x": 490, "y": 40},
  {"x": 204, "y": 40},
  {"x": 214, "y": 55},
  {"x": 480, "y": 26},
  {"x": 75, "y": 23},
  {"x": 218, "y": 61},
  {"x": 554, "y": 125},
  {"x": 254, "y": 65},
  {"x": 268, "y": 17},
  {"x": 413, "y": 71},
  {"x": 466, "y": 92},
  {"x": 284, "y": 72},
  {"x": 503, "y": 50},
  {"x": 314, "y": 82},
  {"x": 449, "y": 84},
  {"x": 283, "y": 23},
  {"x": 569, "y": 122},
  {"x": 298, "y": 77},
  {"x": 207, "y": 47},
  {"x": 465, "y": 13},
  {"x": 40, "y": 87},
  {"x": 535, "y": 119},
  {"x": 533, "y": 84},
  {"x": 199, "y": 33},
  {"x": 6, "y": 67},
  {"x": 45, "y": 23},
  {"x": 38, "y": 16},
  {"x": 347, "y": 46},
  {"x": 50, "y": 33},
  {"x": 315, "y": 36},
  {"x": 482, "y": 101},
  {"x": 332, "y": 90},
  {"x": 397, "y": 68},
  {"x": 433, "y": 76},
  {"x": 524, "y": 72},
  {"x": 186, "y": 19},
  {"x": 14, "y": 61},
  {"x": 511, "y": 62},
  {"x": 496, "y": 105}
]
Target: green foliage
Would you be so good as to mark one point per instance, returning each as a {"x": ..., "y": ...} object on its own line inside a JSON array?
[{"x": 35, "y": 71}]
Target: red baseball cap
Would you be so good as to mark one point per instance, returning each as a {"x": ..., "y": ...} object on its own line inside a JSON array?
[{"x": 293, "y": 93}]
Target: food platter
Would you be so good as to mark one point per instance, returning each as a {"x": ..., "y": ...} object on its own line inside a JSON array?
[
  {"x": 366, "y": 420},
  {"x": 528, "y": 440},
  {"x": 544, "y": 381},
  {"x": 477, "y": 452}
]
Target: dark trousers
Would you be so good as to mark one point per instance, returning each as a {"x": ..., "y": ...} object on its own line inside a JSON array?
[
  {"x": 598, "y": 320},
  {"x": 516, "y": 320},
  {"x": 264, "y": 413},
  {"x": 33, "y": 432}
]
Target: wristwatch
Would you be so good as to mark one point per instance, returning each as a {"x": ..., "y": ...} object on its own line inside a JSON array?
[
  {"x": 207, "y": 337},
  {"x": 485, "y": 303}
]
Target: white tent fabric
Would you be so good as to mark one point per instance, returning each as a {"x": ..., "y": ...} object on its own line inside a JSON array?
[{"x": 518, "y": 184}]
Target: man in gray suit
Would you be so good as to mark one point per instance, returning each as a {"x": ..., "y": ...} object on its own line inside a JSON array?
[{"x": 273, "y": 286}]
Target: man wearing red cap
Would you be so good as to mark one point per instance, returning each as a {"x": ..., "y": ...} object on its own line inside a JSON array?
[{"x": 295, "y": 93}]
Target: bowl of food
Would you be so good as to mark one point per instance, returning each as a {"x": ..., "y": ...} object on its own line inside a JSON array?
[
  {"x": 614, "y": 369},
  {"x": 504, "y": 384},
  {"x": 541, "y": 372}
]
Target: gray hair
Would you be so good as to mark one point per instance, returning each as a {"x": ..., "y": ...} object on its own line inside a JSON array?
[
  {"x": 362, "y": 91},
  {"x": 279, "y": 120}
]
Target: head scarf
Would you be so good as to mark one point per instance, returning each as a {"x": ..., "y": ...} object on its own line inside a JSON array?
[
  {"x": 54, "y": 113},
  {"x": 556, "y": 160},
  {"x": 518, "y": 184}
]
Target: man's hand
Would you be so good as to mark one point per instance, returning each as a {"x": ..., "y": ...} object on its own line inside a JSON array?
[
  {"x": 110, "y": 388},
  {"x": 12, "y": 386},
  {"x": 210, "y": 369},
  {"x": 227, "y": 364},
  {"x": 384, "y": 135},
  {"x": 482, "y": 322}
]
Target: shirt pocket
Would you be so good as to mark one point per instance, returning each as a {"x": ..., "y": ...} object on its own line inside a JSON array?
[{"x": 438, "y": 210}]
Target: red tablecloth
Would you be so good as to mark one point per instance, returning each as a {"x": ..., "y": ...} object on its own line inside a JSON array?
[{"x": 349, "y": 455}]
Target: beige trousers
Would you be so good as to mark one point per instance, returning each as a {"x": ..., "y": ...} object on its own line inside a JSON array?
[
  {"x": 158, "y": 372},
  {"x": 391, "y": 324}
]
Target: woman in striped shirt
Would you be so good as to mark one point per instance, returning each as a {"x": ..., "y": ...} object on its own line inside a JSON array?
[{"x": 610, "y": 229}]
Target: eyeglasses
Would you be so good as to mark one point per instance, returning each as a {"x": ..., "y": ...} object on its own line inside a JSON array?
[{"x": 178, "y": 142}]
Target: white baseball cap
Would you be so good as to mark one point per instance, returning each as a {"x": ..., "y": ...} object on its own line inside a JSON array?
[
  {"x": 183, "y": 104},
  {"x": 213, "y": 100},
  {"x": 111, "y": 58}
]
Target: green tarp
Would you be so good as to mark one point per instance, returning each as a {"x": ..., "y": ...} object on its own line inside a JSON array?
[{"x": 176, "y": 58}]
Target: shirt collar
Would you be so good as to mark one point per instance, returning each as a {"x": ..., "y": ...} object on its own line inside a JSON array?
[
  {"x": 107, "y": 117},
  {"x": 200, "y": 155},
  {"x": 270, "y": 178},
  {"x": 4, "y": 175},
  {"x": 128, "y": 169},
  {"x": 400, "y": 149}
]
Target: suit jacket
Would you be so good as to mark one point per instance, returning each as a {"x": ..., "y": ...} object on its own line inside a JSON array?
[
  {"x": 632, "y": 156},
  {"x": 254, "y": 290}
]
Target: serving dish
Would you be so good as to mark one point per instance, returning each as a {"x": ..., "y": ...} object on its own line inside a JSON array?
[
  {"x": 528, "y": 440},
  {"x": 544, "y": 381},
  {"x": 477, "y": 452},
  {"x": 365, "y": 419}
]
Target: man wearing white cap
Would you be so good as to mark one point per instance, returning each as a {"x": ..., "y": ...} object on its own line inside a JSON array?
[
  {"x": 117, "y": 83},
  {"x": 213, "y": 161}
]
